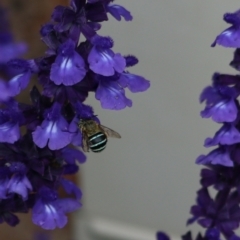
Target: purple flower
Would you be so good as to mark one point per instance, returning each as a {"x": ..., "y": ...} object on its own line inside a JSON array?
[
  {"x": 227, "y": 135},
  {"x": 70, "y": 187},
  {"x": 220, "y": 103},
  {"x": 11, "y": 50},
  {"x": 62, "y": 93},
  {"x": 231, "y": 36},
  {"x": 102, "y": 60},
  {"x": 225, "y": 79},
  {"x": 69, "y": 67},
  {"x": 131, "y": 61},
  {"x": 5, "y": 91},
  {"x": 19, "y": 183},
  {"x": 219, "y": 156},
  {"x": 222, "y": 213},
  {"x": 49, "y": 212},
  {"x": 77, "y": 19},
  {"x": 50, "y": 37},
  {"x": 111, "y": 94},
  {"x": 10, "y": 120},
  {"x": 22, "y": 73},
  {"x": 162, "y": 236},
  {"x": 118, "y": 12},
  {"x": 8, "y": 217},
  {"x": 133, "y": 82},
  {"x": 53, "y": 130},
  {"x": 110, "y": 91},
  {"x": 220, "y": 177},
  {"x": 96, "y": 12},
  {"x": 71, "y": 155}
]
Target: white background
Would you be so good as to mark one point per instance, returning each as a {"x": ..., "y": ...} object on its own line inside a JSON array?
[{"x": 149, "y": 177}]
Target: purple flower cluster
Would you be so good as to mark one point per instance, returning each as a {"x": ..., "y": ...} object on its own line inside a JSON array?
[
  {"x": 219, "y": 212},
  {"x": 39, "y": 142}
]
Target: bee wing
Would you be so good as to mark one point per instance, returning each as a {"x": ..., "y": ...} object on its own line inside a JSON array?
[
  {"x": 85, "y": 145},
  {"x": 109, "y": 132}
]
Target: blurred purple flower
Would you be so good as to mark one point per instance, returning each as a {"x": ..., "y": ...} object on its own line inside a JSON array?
[
  {"x": 231, "y": 36},
  {"x": 49, "y": 212},
  {"x": 223, "y": 212},
  {"x": 19, "y": 183},
  {"x": 219, "y": 156},
  {"x": 118, "y": 12},
  {"x": 228, "y": 134},
  {"x": 220, "y": 103}
]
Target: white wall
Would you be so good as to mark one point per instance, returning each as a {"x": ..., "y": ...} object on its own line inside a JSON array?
[{"x": 149, "y": 176}]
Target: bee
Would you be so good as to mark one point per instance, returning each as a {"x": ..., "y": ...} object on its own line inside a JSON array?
[{"x": 95, "y": 135}]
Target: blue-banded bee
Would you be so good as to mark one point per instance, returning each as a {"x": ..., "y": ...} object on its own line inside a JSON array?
[{"x": 95, "y": 135}]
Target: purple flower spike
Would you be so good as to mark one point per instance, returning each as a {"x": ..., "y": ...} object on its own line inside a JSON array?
[
  {"x": 227, "y": 135},
  {"x": 49, "y": 211},
  {"x": 134, "y": 82},
  {"x": 104, "y": 61},
  {"x": 112, "y": 95},
  {"x": 219, "y": 156},
  {"x": 69, "y": 67},
  {"x": 118, "y": 11},
  {"x": 53, "y": 131},
  {"x": 220, "y": 103},
  {"x": 231, "y": 36}
]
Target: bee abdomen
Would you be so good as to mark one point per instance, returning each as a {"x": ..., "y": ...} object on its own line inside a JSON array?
[{"x": 98, "y": 142}]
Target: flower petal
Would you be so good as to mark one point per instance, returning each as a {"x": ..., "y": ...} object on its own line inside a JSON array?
[
  {"x": 134, "y": 82},
  {"x": 68, "y": 70},
  {"x": 118, "y": 11},
  {"x": 105, "y": 62},
  {"x": 9, "y": 132},
  {"x": 219, "y": 156},
  {"x": 227, "y": 135},
  {"x": 48, "y": 216},
  {"x": 112, "y": 96}
]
